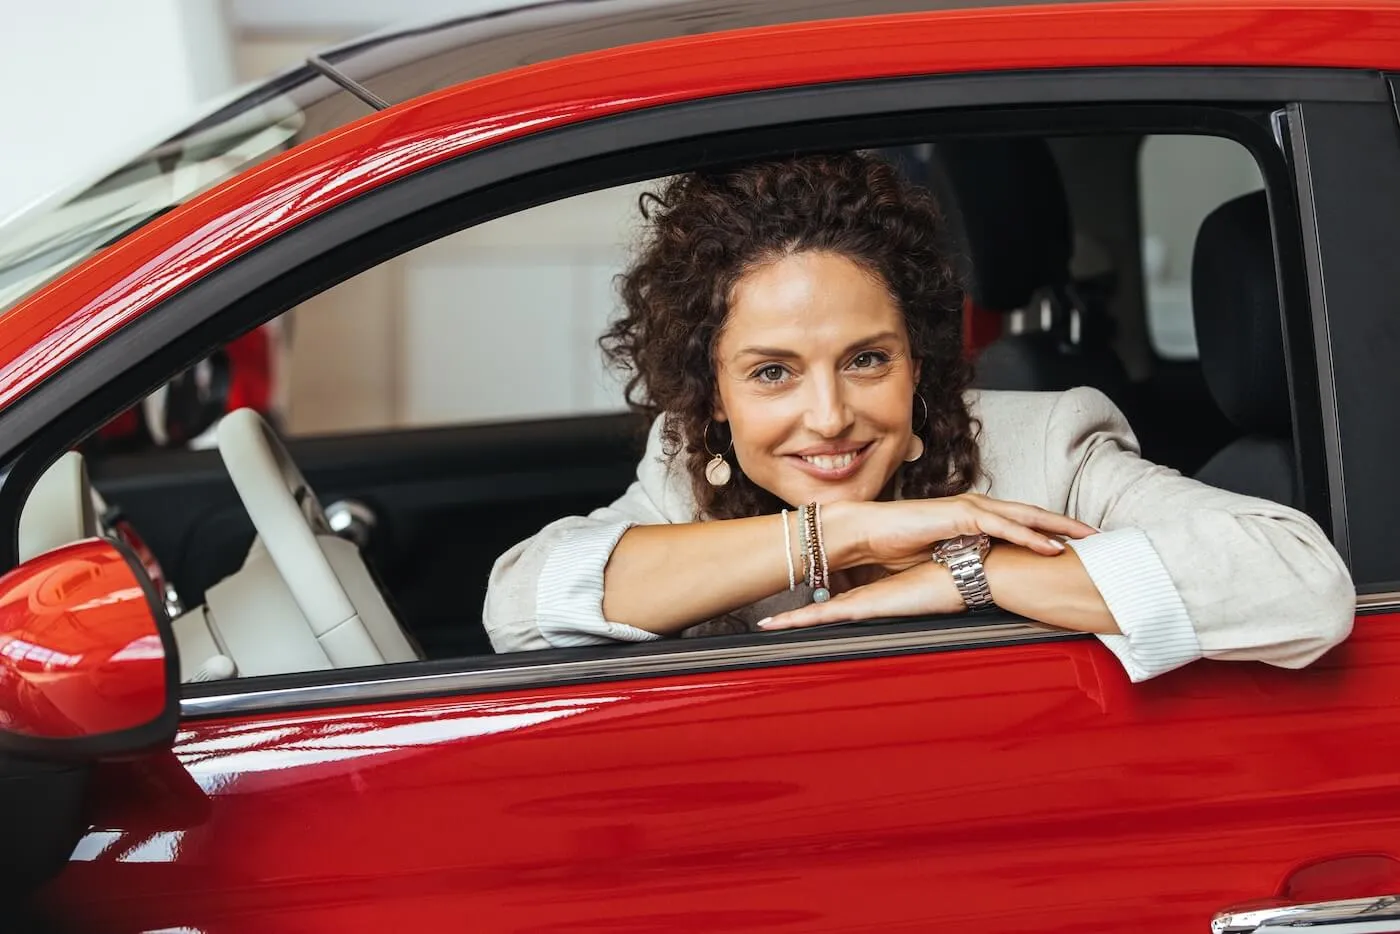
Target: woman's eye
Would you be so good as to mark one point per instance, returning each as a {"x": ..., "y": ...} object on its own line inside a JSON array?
[
  {"x": 867, "y": 359},
  {"x": 771, "y": 374}
]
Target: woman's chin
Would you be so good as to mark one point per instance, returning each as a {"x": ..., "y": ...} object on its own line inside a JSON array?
[{"x": 863, "y": 485}]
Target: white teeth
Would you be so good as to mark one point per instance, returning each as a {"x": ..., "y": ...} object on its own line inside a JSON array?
[{"x": 830, "y": 461}]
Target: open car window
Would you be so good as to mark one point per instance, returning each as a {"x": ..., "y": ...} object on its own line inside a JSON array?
[{"x": 450, "y": 402}]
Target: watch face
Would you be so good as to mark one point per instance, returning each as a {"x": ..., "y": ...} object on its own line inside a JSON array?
[{"x": 949, "y": 547}]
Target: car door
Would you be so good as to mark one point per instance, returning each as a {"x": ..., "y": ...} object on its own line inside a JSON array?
[
  {"x": 988, "y": 777},
  {"x": 983, "y": 774}
]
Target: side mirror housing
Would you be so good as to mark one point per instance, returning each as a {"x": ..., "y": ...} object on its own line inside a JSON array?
[{"x": 88, "y": 663}]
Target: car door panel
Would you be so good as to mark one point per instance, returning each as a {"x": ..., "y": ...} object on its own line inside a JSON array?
[{"x": 1007, "y": 788}]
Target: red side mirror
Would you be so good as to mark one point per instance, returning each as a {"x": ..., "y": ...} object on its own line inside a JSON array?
[{"x": 88, "y": 663}]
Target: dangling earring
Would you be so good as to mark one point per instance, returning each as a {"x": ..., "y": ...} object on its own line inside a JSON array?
[
  {"x": 717, "y": 472},
  {"x": 916, "y": 444}
]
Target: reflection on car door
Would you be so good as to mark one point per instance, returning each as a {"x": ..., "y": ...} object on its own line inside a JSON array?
[{"x": 1014, "y": 787}]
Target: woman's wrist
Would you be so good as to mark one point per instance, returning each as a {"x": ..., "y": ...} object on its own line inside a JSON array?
[{"x": 843, "y": 534}]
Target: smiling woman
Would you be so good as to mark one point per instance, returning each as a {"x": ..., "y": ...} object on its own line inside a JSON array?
[{"x": 816, "y": 456}]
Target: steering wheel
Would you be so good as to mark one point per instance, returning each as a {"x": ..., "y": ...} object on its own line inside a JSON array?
[{"x": 287, "y": 516}]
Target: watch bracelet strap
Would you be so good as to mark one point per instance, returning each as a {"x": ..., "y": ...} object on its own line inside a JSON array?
[{"x": 971, "y": 580}]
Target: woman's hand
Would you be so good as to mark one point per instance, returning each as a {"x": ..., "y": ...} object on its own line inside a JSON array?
[
  {"x": 899, "y": 534},
  {"x": 1053, "y": 590},
  {"x": 924, "y": 590}
]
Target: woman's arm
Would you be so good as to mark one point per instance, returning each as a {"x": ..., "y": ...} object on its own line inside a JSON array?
[
  {"x": 664, "y": 578},
  {"x": 1052, "y": 589},
  {"x": 636, "y": 570},
  {"x": 1253, "y": 579},
  {"x": 1181, "y": 570}
]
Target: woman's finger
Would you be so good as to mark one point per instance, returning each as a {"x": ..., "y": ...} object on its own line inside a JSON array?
[
  {"x": 928, "y": 589},
  {"x": 1037, "y": 518},
  {"x": 835, "y": 610},
  {"x": 998, "y": 526}
]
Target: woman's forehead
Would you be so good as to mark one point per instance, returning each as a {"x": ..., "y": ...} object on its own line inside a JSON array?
[{"x": 806, "y": 297}]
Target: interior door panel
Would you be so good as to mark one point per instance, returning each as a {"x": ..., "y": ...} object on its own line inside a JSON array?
[{"x": 447, "y": 502}]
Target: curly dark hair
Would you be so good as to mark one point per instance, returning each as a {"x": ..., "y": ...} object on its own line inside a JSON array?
[{"x": 704, "y": 230}]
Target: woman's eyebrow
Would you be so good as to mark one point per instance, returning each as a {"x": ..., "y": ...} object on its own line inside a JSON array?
[
  {"x": 784, "y": 354},
  {"x": 872, "y": 339},
  {"x": 767, "y": 352}
]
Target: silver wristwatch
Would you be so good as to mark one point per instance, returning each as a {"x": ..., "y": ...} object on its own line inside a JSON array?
[{"x": 963, "y": 556}]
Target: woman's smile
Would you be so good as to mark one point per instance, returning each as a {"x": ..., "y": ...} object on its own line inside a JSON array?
[{"x": 833, "y": 463}]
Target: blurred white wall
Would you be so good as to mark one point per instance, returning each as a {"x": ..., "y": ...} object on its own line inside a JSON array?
[
  {"x": 352, "y": 17},
  {"x": 88, "y": 82}
]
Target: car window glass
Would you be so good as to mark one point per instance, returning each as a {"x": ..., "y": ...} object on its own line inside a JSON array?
[
  {"x": 1181, "y": 180},
  {"x": 38, "y": 245}
]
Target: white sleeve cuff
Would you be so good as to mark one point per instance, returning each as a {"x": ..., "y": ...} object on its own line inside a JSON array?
[
  {"x": 569, "y": 593},
  {"x": 1157, "y": 634}
]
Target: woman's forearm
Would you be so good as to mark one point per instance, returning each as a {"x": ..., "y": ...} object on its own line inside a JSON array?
[
  {"x": 1054, "y": 590},
  {"x": 664, "y": 578}
]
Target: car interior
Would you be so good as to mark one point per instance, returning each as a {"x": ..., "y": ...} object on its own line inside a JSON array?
[{"x": 337, "y": 551}]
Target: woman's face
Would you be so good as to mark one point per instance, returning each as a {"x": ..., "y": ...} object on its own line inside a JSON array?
[{"x": 815, "y": 379}]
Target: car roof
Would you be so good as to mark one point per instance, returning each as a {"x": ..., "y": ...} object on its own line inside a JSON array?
[
  {"x": 84, "y": 306},
  {"x": 400, "y": 64},
  {"x": 403, "y": 63}
]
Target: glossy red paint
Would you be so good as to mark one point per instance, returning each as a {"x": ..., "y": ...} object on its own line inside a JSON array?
[
  {"x": 80, "y": 653},
  {"x": 1004, "y": 789},
  {"x": 87, "y": 305}
]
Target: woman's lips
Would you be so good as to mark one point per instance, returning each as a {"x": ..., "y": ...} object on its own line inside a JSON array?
[{"x": 832, "y": 466}]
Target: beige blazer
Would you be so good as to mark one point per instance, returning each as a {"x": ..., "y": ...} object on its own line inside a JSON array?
[{"x": 1188, "y": 570}]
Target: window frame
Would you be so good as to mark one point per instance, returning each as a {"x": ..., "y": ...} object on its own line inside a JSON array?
[
  {"x": 634, "y": 147},
  {"x": 1347, "y": 157}
]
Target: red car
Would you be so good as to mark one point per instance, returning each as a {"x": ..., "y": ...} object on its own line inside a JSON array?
[{"x": 962, "y": 774}]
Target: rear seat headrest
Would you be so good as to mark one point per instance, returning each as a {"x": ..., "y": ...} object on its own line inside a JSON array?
[
  {"x": 1239, "y": 326},
  {"x": 1008, "y": 216}
]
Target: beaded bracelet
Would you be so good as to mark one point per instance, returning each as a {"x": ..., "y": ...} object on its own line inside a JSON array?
[
  {"x": 787, "y": 552},
  {"x": 815, "y": 551},
  {"x": 802, "y": 545}
]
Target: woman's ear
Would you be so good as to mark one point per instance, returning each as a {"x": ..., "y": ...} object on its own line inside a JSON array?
[{"x": 918, "y": 370}]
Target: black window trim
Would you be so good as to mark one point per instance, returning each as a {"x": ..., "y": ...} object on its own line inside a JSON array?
[
  {"x": 1348, "y": 180},
  {"x": 616, "y": 150}
]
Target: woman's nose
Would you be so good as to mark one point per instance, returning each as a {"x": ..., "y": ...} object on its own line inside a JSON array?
[{"x": 828, "y": 414}]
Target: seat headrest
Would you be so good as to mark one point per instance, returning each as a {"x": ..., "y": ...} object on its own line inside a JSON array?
[
  {"x": 1239, "y": 324},
  {"x": 1008, "y": 215}
]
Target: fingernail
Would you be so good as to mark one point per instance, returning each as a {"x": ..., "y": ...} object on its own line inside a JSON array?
[
  {"x": 763, "y": 623},
  {"x": 1056, "y": 544}
]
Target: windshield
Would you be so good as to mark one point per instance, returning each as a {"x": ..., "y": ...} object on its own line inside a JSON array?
[{"x": 37, "y": 246}]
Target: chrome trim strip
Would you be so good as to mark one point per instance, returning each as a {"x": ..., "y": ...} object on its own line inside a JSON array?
[
  {"x": 1374, "y": 602},
  {"x": 690, "y": 659},
  {"x": 1348, "y": 916}
]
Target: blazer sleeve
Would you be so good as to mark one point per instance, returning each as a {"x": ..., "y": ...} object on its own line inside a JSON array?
[
  {"x": 1256, "y": 580},
  {"x": 547, "y": 591}
]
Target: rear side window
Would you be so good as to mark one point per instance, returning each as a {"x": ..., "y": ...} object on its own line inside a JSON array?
[{"x": 1181, "y": 180}]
